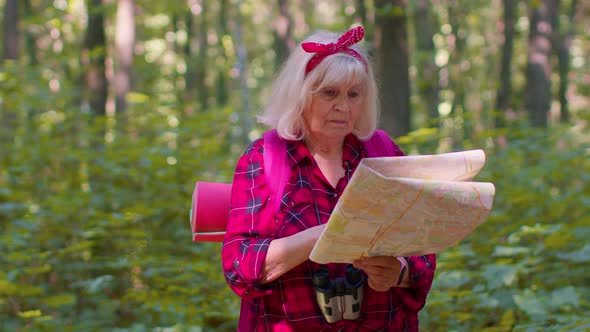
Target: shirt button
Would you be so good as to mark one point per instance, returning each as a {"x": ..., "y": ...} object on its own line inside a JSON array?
[
  {"x": 292, "y": 204},
  {"x": 236, "y": 263},
  {"x": 335, "y": 195}
]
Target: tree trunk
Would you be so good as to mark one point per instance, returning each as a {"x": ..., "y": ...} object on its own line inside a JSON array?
[
  {"x": 95, "y": 90},
  {"x": 283, "y": 34},
  {"x": 189, "y": 75},
  {"x": 221, "y": 85},
  {"x": 31, "y": 51},
  {"x": 391, "y": 44},
  {"x": 93, "y": 58},
  {"x": 10, "y": 31},
  {"x": 505, "y": 89},
  {"x": 538, "y": 73},
  {"x": 8, "y": 115},
  {"x": 361, "y": 13},
  {"x": 456, "y": 13},
  {"x": 562, "y": 46},
  {"x": 124, "y": 45},
  {"x": 425, "y": 28},
  {"x": 245, "y": 116},
  {"x": 29, "y": 37},
  {"x": 201, "y": 60}
]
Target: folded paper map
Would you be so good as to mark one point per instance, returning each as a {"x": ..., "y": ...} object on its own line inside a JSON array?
[{"x": 406, "y": 206}]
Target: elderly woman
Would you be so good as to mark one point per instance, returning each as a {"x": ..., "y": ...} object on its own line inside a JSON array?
[{"x": 324, "y": 106}]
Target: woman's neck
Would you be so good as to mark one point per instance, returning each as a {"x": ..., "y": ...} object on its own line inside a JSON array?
[
  {"x": 328, "y": 156},
  {"x": 325, "y": 149}
]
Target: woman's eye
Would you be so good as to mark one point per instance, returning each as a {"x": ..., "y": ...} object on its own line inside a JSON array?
[
  {"x": 353, "y": 94},
  {"x": 330, "y": 92}
]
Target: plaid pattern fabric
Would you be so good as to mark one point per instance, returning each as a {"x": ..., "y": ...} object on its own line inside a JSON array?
[{"x": 289, "y": 303}]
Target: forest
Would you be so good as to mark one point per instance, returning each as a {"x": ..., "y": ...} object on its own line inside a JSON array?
[{"x": 111, "y": 110}]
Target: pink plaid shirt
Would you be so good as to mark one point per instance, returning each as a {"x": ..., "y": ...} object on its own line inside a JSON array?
[{"x": 289, "y": 303}]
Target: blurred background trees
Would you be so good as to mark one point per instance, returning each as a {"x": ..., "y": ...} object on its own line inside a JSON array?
[{"x": 111, "y": 109}]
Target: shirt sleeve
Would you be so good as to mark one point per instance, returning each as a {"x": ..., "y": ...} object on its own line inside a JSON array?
[
  {"x": 421, "y": 276},
  {"x": 250, "y": 227}
]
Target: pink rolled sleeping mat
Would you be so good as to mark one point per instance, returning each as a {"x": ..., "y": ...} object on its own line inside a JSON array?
[{"x": 210, "y": 211}]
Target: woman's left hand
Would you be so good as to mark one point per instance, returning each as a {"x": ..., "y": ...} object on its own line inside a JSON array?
[{"x": 383, "y": 271}]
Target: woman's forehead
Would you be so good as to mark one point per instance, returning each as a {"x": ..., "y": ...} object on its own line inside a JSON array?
[
  {"x": 343, "y": 77},
  {"x": 344, "y": 86},
  {"x": 351, "y": 83}
]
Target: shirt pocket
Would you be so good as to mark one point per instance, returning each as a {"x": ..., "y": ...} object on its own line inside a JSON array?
[{"x": 297, "y": 212}]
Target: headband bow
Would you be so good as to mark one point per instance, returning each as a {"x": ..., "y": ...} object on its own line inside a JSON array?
[{"x": 342, "y": 45}]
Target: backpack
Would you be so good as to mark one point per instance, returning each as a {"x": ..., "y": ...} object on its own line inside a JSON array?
[{"x": 208, "y": 222}]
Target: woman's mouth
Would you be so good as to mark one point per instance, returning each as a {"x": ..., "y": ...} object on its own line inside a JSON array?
[{"x": 339, "y": 122}]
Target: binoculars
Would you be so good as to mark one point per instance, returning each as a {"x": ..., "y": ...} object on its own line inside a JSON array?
[{"x": 339, "y": 298}]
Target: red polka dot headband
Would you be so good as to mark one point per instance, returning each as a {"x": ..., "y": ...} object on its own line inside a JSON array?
[{"x": 342, "y": 45}]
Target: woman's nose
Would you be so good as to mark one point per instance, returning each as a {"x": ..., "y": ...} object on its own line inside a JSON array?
[{"x": 342, "y": 104}]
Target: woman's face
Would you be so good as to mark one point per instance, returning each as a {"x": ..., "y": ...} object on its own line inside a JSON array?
[{"x": 333, "y": 111}]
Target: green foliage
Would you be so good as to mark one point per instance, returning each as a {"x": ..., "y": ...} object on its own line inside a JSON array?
[
  {"x": 95, "y": 233},
  {"x": 525, "y": 269}
]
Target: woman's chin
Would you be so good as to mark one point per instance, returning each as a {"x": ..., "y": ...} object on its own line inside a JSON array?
[{"x": 334, "y": 132}]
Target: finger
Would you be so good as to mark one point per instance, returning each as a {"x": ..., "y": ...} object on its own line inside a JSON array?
[
  {"x": 358, "y": 264},
  {"x": 380, "y": 271},
  {"x": 388, "y": 281},
  {"x": 383, "y": 261},
  {"x": 378, "y": 286}
]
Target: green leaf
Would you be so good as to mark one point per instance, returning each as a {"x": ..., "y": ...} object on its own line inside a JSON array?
[
  {"x": 59, "y": 300},
  {"x": 10, "y": 208},
  {"x": 95, "y": 285},
  {"x": 565, "y": 296},
  {"x": 499, "y": 275},
  {"x": 7, "y": 287},
  {"x": 531, "y": 303},
  {"x": 503, "y": 251},
  {"x": 37, "y": 269},
  {"x": 578, "y": 256},
  {"x": 30, "y": 314},
  {"x": 452, "y": 279}
]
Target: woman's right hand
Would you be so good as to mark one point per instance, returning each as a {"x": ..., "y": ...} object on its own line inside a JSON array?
[{"x": 288, "y": 252}]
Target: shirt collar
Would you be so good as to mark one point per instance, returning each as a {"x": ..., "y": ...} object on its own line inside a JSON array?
[{"x": 352, "y": 153}]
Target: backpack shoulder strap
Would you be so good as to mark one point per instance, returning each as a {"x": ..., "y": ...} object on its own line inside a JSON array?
[
  {"x": 275, "y": 159},
  {"x": 381, "y": 145},
  {"x": 275, "y": 165}
]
